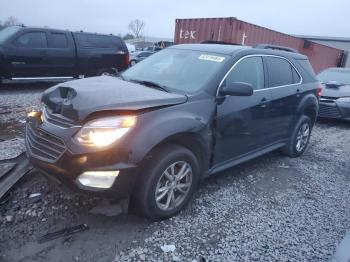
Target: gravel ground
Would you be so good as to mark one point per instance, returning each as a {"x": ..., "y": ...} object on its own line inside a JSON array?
[{"x": 271, "y": 209}]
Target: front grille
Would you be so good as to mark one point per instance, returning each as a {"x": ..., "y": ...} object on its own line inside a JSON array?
[
  {"x": 57, "y": 119},
  {"x": 43, "y": 145},
  {"x": 327, "y": 99},
  {"x": 329, "y": 111}
]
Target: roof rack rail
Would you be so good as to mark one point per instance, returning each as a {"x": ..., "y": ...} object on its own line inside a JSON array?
[
  {"x": 216, "y": 42},
  {"x": 276, "y": 47}
]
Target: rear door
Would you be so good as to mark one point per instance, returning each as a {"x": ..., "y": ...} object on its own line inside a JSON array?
[
  {"x": 61, "y": 54},
  {"x": 243, "y": 122},
  {"x": 285, "y": 84},
  {"x": 27, "y": 54}
]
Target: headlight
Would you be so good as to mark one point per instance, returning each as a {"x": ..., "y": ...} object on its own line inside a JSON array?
[
  {"x": 105, "y": 131},
  {"x": 344, "y": 99}
]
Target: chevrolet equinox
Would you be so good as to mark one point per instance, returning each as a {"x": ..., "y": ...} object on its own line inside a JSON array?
[{"x": 183, "y": 114}]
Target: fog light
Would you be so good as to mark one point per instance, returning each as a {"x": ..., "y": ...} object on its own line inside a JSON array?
[{"x": 98, "y": 179}]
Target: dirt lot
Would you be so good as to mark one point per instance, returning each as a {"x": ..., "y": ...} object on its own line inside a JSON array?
[{"x": 271, "y": 209}]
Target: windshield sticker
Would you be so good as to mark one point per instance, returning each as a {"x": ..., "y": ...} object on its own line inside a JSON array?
[{"x": 213, "y": 58}]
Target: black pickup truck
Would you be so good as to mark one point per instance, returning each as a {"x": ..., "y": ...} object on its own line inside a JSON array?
[{"x": 42, "y": 53}]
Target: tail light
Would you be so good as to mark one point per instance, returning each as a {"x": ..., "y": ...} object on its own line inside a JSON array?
[
  {"x": 127, "y": 59},
  {"x": 319, "y": 91}
]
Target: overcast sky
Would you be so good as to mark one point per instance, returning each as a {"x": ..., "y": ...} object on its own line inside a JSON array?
[{"x": 308, "y": 17}]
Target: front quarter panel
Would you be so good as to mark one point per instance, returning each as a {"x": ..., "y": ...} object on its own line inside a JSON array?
[{"x": 154, "y": 128}]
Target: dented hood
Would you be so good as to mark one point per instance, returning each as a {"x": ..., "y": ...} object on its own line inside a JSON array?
[{"x": 79, "y": 98}]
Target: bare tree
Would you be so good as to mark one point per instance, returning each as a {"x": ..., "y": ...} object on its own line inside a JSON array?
[
  {"x": 10, "y": 21},
  {"x": 136, "y": 26}
]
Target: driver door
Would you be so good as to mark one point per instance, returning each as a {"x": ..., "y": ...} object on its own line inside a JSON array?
[{"x": 243, "y": 122}]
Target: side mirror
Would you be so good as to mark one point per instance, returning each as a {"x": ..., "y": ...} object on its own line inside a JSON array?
[{"x": 237, "y": 89}]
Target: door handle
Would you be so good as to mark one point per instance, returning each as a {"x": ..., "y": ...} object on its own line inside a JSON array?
[
  {"x": 264, "y": 103},
  {"x": 43, "y": 53}
]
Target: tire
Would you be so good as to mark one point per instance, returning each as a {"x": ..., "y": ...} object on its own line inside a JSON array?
[
  {"x": 106, "y": 72},
  {"x": 299, "y": 139},
  {"x": 154, "y": 179},
  {"x": 132, "y": 62}
]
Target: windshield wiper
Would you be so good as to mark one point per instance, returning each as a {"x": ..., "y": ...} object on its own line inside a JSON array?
[{"x": 151, "y": 84}]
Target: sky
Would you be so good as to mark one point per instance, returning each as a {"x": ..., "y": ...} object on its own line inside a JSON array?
[{"x": 303, "y": 17}]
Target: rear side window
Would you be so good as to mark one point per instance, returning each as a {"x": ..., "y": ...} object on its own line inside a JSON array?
[
  {"x": 98, "y": 41},
  {"x": 250, "y": 70},
  {"x": 281, "y": 72},
  {"x": 32, "y": 40},
  {"x": 305, "y": 64},
  {"x": 59, "y": 40}
]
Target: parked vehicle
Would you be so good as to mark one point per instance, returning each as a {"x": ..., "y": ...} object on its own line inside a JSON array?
[
  {"x": 139, "y": 56},
  {"x": 41, "y": 53},
  {"x": 335, "y": 99},
  {"x": 152, "y": 48},
  {"x": 185, "y": 113}
]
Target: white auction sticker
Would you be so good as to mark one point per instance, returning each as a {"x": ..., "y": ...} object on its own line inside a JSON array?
[{"x": 213, "y": 58}]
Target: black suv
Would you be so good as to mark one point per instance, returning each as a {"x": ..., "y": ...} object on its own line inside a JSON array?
[{"x": 181, "y": 115}]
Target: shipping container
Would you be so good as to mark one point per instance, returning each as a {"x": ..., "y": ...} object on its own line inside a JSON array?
[{"x": 232, "y": 30}]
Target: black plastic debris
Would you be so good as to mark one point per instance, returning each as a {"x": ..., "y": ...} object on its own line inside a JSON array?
[
  {"x": 62, "y": 233},
  {"x": 12, "y": 170}
]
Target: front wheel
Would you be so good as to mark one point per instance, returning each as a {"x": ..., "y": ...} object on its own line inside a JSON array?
[
  {"x": 167, "y": 183},
  {"x": 300, "y": 138}
]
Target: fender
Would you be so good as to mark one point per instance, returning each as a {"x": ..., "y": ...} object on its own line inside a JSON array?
[
  {"x": 164, "y": 125},
  {"x": 307, "y": 102}
]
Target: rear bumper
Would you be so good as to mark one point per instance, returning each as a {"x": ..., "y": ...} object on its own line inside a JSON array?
[
  {"x": 67, "y": 167},
  {"x": 334, "y": 110}
]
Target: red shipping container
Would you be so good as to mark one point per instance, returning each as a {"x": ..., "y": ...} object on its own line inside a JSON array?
[{"x": 232, "y": 30}]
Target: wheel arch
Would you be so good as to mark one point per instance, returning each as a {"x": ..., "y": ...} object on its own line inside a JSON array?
[
  {"x": 192, "y": 141},
  {"x": 308, "y": 106}
]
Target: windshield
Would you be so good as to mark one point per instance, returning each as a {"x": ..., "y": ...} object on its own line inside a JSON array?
[
  {"x": 7, "y": 32},
  {"x": 181, "y": 70},
  {"x": 340, "y": 76}
]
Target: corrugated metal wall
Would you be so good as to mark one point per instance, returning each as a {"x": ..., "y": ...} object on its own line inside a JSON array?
[{"x": 236, "y": 31}]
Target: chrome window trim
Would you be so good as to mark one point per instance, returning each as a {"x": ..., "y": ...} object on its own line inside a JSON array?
[{"x": 261, "y": 55}]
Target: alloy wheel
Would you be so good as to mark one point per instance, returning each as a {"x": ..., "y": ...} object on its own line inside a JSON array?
[
  {"x": 173, "y": 186},
  {"x": 302, "y": 137}
]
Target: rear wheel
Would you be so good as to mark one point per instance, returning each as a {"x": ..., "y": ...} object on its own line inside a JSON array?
[
  {"x": 132, "y": 62},
  {"x": 106, "y": 72},
  {"x": 300, "y": 137},
  {"x": 167, "y": 183}
]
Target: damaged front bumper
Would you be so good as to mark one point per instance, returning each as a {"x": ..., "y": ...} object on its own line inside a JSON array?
[{"x": 52, "y": 152}]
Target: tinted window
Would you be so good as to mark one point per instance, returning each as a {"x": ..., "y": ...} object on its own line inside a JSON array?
[
  {"x": 32, "y": 40},
  {"x": 59, "y": 40},
  {"x": 98, "y": 41},
  {"x": 281, "y": 72},
  {"x": 249, "y": 70},
  {"x": 7, "y": 32},
  {"x": 307, "y": 66},
  {"x": 296, "y": 76}
]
